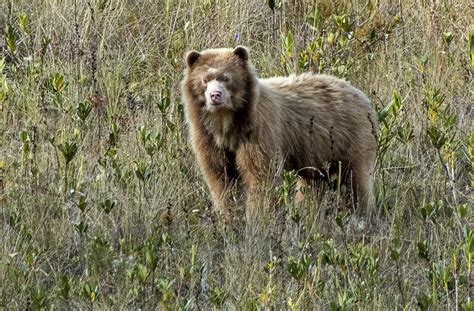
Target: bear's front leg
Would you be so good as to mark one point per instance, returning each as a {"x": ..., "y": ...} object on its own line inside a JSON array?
[
  {"x": 219, "y": 187},
  {"x": 253, "y": 165},
  {"x": 213, "y": 163}
]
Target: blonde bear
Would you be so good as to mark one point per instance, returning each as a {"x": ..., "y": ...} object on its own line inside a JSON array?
[{"x": 242, "y": 126}]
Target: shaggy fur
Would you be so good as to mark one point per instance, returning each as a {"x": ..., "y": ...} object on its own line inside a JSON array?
[{"x": 241, "y": 125}]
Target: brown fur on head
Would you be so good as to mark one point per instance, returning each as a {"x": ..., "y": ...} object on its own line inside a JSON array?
[
  {"x": 223, "y": 70},
  {"x": 222, "y": 87}
]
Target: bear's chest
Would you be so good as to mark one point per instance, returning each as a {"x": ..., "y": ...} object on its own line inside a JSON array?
[{"x": 221, "y": 128}]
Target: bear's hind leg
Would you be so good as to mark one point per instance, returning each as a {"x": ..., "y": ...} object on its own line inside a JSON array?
[{"x": 362, "y": 186}]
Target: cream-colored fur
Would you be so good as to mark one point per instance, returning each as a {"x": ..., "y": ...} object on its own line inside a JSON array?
[{"x": 297, "y": 123}]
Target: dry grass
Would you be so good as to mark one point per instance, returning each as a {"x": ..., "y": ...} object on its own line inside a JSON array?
[{"x": 107, "y": 209}]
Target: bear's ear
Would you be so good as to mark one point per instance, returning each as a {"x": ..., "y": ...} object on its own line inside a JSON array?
[
  {"x": 192, "y": 57},
  {"x": 242, "y": 52}
]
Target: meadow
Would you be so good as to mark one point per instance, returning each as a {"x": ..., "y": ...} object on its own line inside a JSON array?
[{"x": 102, "y": 205}]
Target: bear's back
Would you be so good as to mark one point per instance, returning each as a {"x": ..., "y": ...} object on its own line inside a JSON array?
[{"x": 319, "y": 110}]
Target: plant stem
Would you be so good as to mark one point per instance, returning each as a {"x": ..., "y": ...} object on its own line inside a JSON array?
[
  {"x": 65, "y": 180},
  {"x": 399, "y": 283},
  {"x": 446, "y": 170}
]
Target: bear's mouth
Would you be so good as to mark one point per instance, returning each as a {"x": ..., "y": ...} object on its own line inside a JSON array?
[{"x": 215, "y": 103}]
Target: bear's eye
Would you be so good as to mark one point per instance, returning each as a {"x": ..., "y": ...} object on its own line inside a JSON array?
[
  {"x": 223, "y": 78},
  {"x": 205, "y": 80}
]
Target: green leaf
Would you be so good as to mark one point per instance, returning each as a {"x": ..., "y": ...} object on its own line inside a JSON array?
[
  {"x": 142, "y": 273},
  {"x": 405, "y": 133},
  {"x": 144, "y": 134},
  {"x": 218, "y": 296},
  {"x": 82, "y": 204},
  {"x": 151, "y": 254},
  {"x": 114, "y": 134},
  {"x": 298, "y": 268},
  {"x": 108, "y": 205},
  {"x": 395, "y": 249},
  {"x": 65, "y": 286},
  {"x": 437, "y": 137},
  {"x": 463, "y": 210},
  {"x": 164, "y": 102},
  {"x": 340, "y": 221},
  {"x": 57, "y": 81},
  {"x": 68, "y": 151},
  {"x": 329, "y": 254},
  {"x": 142, "y": 171},
  {"x": 468, "y": 306},
  {"x": 447, "y": 37},
  {"x": 24, "y": 24},
  {"x": 343, "y": 22},
  {"x": 424, "y": 301},
  {"x": 392, "y": 109},
  {"x": 288, "y": 43},
  {"x": 103, "y": 5},
  {"x": 165, "y": 290},
  {"x": 90, "y": 292},
  {"x": 423, "y": 250},
  {"x": 397, "y": 104},
  {"x": 83, "y": 110},
  {"x": 469, "y": 242},
  {"x": 81, "y": 227},
  {"x": 315, "y": 18},
  {"x": 11, "y": 38},
  {"x": 24, "y": 137},
  {"x": 429, "y": 210},
  {"x": 39, "y": 298},
  {"x": 271, "y": 4}
]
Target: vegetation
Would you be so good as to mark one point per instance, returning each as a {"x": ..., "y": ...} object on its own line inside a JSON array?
[{"x": 102, "y": 203}]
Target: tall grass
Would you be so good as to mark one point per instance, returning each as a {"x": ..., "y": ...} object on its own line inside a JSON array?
[{"x": 103, "y": 205}]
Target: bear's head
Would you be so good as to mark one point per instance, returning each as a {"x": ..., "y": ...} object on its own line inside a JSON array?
[{"x": 220, "y": 79}]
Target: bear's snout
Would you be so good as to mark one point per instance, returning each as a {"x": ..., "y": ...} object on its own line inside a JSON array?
[
  {"x": 216, "y": 97},
  {"x": 216, "y": 93}
]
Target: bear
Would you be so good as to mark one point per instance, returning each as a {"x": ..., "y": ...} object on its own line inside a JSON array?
[{"x": 242, "y": 127}]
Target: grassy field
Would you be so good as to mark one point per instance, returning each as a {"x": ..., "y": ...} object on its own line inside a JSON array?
[{"x": 102, "y": 205}]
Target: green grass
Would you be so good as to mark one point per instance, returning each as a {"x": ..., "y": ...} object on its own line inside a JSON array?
[{"x": 102, "y": 202}]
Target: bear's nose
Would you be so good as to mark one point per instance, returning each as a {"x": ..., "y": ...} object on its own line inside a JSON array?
[{"x": 216, "y": 96}]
